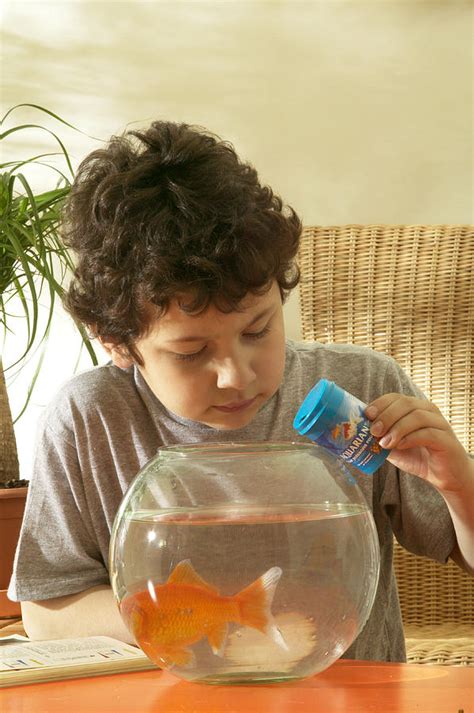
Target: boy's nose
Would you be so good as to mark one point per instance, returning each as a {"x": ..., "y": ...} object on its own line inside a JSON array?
[{"x": 234, "y": 373}]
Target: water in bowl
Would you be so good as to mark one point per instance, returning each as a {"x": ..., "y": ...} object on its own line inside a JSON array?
[{"x": 182, "y": 572}]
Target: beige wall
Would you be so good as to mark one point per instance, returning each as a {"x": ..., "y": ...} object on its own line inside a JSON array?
[{"x": 353, "y": 111}]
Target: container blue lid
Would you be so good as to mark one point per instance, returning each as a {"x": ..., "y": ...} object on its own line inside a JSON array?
[{"x": 312, "y": 407}]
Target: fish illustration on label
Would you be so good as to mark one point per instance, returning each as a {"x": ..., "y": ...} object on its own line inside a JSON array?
[{"x": 346, "y": 430}]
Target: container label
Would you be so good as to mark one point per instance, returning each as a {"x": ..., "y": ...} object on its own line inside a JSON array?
[{"x": 351, "y": 439}]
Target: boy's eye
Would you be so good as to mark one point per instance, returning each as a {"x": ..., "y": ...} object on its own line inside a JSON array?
[
  {"x": 195, "y": 355},
  {"x": 188, "y": 357},
  {"x": 258, "y": 335}
]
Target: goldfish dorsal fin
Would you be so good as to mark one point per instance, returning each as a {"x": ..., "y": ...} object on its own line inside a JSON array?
[{"x": 184, "y": 573}]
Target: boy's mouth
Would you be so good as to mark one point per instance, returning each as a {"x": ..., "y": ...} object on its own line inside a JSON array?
[{"x": 235, "y": 406}]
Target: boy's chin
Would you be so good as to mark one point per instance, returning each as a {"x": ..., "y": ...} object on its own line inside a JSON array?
[
  {"x": 229, "y": 426},
  {"x": 230, "y": 422}
]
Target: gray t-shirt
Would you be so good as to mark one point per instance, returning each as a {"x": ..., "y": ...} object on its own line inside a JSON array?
[{"x": 105, "y": 424}]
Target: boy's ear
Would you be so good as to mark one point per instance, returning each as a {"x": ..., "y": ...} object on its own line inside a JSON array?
[{"x": 117, "y": 354}]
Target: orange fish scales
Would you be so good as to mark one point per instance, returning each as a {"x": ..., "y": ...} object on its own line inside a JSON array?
[
  {"x": 187, "y": 613},
  {"x": 166, "y": 618}
]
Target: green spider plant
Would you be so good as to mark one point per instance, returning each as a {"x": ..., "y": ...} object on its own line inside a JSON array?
[{"x": 34, "y": 264}]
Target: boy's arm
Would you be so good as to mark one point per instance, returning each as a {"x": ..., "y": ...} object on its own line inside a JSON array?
[
  {"x": 461, "y": 507},
  {"x": 93, "y": 612},
  {"x": 424, "y": 444}
]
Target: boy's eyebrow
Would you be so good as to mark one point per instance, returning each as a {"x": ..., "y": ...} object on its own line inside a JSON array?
[{"x": 203, "y": 338}]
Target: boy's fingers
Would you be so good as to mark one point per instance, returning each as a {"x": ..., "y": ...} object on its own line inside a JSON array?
[
  {"x": 433, "y": 438},
  {"x": 402, "y": 416},
  {"x": 408, "y": 433},
  {"x": 390, "y": 408}
]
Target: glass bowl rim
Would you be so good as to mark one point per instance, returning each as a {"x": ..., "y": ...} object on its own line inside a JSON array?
[{"x": 234, "y": 448}]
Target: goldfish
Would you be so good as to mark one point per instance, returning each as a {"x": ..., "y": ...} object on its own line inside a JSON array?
[
  {"x": 168, "y": 618},
  {"x": 336, "y": 431},
  {"x": 348, "y": 429}
]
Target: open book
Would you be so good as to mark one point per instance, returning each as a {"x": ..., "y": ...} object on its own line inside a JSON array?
[{"x": 23, "y": 661}]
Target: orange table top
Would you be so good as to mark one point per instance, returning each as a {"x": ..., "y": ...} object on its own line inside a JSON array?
[{"x": 346, "y": 687}]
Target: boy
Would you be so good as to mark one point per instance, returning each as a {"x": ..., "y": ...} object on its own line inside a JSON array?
[{"x": 183, "y": 263}]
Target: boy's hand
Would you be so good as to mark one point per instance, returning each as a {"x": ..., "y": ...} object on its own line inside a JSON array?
[{"x": 421, "y": 440}]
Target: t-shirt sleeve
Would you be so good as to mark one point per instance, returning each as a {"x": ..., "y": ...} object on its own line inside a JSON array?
[
  {"x": 57, "y": 552},
  {"x": 418, "y": 513}
]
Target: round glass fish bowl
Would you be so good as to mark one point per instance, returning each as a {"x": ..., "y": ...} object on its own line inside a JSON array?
[{"x": 244, "y": 563}]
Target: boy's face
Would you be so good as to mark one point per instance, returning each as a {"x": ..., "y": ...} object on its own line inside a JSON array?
[{"x": 216, "y": 368}]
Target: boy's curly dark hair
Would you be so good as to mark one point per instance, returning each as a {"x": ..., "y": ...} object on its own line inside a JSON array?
[{"x": 171, "y": 212}]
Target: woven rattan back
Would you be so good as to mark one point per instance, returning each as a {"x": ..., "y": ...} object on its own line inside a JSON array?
[{"x": 407, "y": 291}]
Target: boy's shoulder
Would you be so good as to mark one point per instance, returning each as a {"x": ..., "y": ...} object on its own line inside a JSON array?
[
  {"x": 360, "y": 370},
  {"x": 89, "y": 393},
  {"x": 95, "y": 382},
  {"x": 339, "y": 352}
]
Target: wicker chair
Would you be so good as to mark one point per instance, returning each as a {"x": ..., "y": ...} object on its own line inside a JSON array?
[{"x": 407, "y": 291}]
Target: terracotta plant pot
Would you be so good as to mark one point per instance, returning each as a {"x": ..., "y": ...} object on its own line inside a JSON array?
[{"x": 12, "y": 506}]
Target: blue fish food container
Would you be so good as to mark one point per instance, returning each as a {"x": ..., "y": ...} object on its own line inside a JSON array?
[{"x": 334, "y": 419}]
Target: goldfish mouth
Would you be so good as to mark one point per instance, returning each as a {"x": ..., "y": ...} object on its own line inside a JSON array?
[{"x": 236, "y": 406}]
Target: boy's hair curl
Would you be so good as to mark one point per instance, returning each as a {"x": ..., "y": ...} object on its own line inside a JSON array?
[{"x": 171, "y": 212}]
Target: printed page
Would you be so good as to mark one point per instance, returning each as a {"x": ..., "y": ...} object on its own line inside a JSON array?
[{"x": 65, "y": 652}]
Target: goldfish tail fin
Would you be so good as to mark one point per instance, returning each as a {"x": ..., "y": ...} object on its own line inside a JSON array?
[
  {"x": 255, "y": 603},
  {"x": 217, "y": 638}
]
